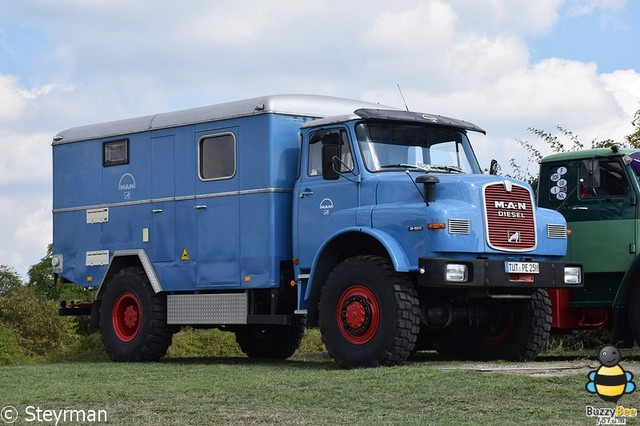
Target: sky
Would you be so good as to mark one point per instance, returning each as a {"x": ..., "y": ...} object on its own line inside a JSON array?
[{"x": 505, "y": 65}]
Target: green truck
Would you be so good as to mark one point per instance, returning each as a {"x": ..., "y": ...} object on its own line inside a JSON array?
[{"x": 598, "y": 192}]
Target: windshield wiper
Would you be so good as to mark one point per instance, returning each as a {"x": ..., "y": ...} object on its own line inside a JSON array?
[
  {"x": 448, "y": 169},
  {"x": 424, "y": 168}
]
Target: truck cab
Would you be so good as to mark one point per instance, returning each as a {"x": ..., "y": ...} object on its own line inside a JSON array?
[
  {"x": 402, "y": 192},
  {"x": 597, "y": 192}
]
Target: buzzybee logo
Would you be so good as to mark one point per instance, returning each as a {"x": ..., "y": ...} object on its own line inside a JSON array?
[{"x": 610, "y": 382}]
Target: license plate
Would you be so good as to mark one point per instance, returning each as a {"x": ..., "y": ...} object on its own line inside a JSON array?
[{"x": 521, "y": 267}]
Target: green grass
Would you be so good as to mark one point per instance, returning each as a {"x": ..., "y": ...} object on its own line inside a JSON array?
[{"x": 307, "y": 390}]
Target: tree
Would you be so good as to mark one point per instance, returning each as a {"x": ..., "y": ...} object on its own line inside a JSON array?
[
  {"x": 41, "y": 278},
  {"x": 9, "y": 280},
  {"x": 565, "y": 141}
]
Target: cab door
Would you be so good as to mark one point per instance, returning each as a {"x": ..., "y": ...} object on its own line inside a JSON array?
[
  {"x": 327, "y": 200},
  {"x": 601, "y": 213}
]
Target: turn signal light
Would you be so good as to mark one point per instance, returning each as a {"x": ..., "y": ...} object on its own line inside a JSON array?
[{"x": 437, "y": 226}]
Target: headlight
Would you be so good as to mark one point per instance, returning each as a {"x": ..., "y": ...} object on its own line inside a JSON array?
[
  {"x": 572, "y": 275},
  {"x": 457, "y": 273},
  {"x": 56, "y": 263}
]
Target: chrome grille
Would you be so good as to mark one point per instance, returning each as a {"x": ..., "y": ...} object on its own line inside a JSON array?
[
  {"x": 459, "y": 226},
  {"x": 556, "y": 231},
  {"x": 509, "y": 217}
]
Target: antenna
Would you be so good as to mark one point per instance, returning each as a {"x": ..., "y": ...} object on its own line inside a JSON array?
[{"x": 402, "y": 96}]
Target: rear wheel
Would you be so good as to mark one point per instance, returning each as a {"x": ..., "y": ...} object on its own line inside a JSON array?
[
  {"x": 133, "y": 319},
  {"x": 369, "y": 314},
  {"x": 271, "y": 341}
]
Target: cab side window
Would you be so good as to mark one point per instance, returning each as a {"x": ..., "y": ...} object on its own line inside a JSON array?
[
  {"x": 329, "y": 137},
  {"x": 602, "y": 178}
]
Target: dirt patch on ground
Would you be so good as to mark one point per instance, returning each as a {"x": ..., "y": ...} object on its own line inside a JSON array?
[{"x": 532, "y": 368}]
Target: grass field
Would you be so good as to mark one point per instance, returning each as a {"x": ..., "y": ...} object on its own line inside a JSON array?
[{"x": 309, "y": 389}]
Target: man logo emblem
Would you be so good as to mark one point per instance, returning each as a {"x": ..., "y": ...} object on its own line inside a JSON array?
[{"x": 513, "y": 237}]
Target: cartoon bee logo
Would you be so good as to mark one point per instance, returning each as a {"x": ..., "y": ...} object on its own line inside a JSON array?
[{"x": 610, "y": 381}]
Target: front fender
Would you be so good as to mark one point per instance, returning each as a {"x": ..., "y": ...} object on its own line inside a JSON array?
[{"x": 393, "y": 248}]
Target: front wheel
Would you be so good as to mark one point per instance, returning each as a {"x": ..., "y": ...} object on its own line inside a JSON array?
[
  {"x": 369, "y": 314},
  {"x": 133, "y": 319}
]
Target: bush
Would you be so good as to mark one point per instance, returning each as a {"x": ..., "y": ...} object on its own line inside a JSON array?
[
  {"x": 190, "y": 342},
  {"x": 311, "y": 341},
  {"x": 32, "y": 330},
  {"x": 10, "y": 350}
]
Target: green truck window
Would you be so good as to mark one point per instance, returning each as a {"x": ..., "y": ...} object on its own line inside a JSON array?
[{"x": 602, "y": 178}]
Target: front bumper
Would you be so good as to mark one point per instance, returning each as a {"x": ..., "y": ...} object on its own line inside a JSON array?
[{"x": 491, "y": 273}]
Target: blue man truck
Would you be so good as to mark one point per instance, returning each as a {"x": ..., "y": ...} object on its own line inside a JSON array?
[{"x": 265, "y": 215}]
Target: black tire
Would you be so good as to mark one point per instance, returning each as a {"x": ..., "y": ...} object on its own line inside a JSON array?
[
  {"x": 518, "y": 330},
  {"x": 369, "y": 314},
  {"x": 271, "y": 341},
  {"x": 133, "y": 319},
  {"x": 634, "y": 315}
]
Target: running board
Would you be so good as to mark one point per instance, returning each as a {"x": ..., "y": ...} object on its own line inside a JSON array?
[
  {"x": 196, "y": 309},
  {"x": 212, "y": 309}
]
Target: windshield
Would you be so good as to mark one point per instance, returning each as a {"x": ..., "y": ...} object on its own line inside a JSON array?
[{"x": 389, "y": 146}]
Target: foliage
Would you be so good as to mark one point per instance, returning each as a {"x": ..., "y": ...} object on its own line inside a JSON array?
[
  {"x": 564, "y": 141},
  {"x": 10, "y": 350},
  {"x": 9, "y": 280},
  {"x": 41, "y": 331},
  {"x": 31, "y": 330},
  {"x": 191, "y": 342},
  {"x": 41, "y": 278}
]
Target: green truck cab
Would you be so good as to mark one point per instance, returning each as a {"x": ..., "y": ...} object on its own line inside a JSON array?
[{"x": 597, "y": 191}]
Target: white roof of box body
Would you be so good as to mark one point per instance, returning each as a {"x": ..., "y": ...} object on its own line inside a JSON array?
[{"x": 302, "y": 105}]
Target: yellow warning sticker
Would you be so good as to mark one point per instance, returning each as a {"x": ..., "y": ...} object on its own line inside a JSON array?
[{"x": 185, "y": 255}]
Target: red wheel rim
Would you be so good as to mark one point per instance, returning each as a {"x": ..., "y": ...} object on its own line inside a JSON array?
[
  {"x": 504, "y": 325},
  {"x": 358, "y": 315},
  {"x": 126, "y": 316}
]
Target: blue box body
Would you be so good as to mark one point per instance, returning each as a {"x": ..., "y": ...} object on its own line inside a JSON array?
[{"x": 155, "y": 204}]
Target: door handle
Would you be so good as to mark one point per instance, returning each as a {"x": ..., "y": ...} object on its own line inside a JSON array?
[
  {"x": 200, "y": 207},
  {"x": 305, "y": 193},
  {"x": 156, "y": 211},
  {"x": 579, "y": 208}
]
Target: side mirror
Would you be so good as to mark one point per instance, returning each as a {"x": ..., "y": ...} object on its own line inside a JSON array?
[
  {"x": 329, "y": 166},
  {"x": 590, "y": 173},
  {"x": 494, "y": 168}
]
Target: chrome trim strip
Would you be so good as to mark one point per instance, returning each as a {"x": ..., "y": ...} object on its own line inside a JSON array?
[{"x": 180, "y": 198}]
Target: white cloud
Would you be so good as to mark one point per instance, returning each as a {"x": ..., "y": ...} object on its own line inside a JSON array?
[
  {"x": 416, "y": 29},
  {"x": 624, "y": 85},
  {"x": 524, "y": 17},
  {"x": 12, "y": 102},
  {"x": 586, "y": 7}
]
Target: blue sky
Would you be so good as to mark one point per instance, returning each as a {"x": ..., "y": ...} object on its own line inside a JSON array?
[
  {"x": 606, "y": 37},
  {"x": 505, "y": 65}
]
